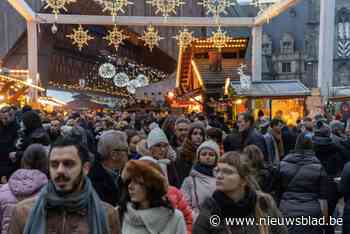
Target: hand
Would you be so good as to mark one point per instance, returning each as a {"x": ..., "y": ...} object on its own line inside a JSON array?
[{"x": 12, "y": 156}]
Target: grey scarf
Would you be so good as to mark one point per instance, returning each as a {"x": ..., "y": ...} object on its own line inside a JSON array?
[{"x": 50, "y": 199}]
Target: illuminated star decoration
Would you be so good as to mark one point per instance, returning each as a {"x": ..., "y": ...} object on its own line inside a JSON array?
[
  {"x": 184, "y": 38},
  {"x": 57, "y": 5},
  {"x": 115, "y": 37},
  {"x": 166, "y": 7},
  {"x": 219, "y": 39},
  {"x": 216, "y": 7},
  {"x": 114, "y": 6},
  {"x": 259, "y": 5},
  {"x": 151, "y": 37},
  {"x": 80, "y": 37}
]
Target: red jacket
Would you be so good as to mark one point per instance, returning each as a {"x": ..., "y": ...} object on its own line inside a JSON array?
[{"x": 179, "y": 202}]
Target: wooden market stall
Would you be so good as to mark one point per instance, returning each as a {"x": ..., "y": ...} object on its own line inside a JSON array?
[{"x": 276, "y": 98}]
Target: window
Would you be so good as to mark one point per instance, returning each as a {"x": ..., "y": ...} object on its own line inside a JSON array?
[{"x": 286, "y": 67}]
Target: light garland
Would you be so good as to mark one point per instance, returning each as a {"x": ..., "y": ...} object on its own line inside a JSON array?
[
  {"x": 115, "y": 37},
  {"x": 114, "y": 6},
  {"x": 80, "y": 37},
  {"x": 184, "y": 38},
  {"x": 57, "y": 5},
  {"x": 219, "y": 39},
  {"x": 165, "y": 7},
  {"x": 216, "y": 7},
  {"x": 151, "y": 37}
]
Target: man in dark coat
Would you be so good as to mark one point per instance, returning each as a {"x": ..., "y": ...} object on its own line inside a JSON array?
[
  {"x": 249, "y": 135},
  {"x": 8, "y": 133},
  {"x": 105, "y": 173}
]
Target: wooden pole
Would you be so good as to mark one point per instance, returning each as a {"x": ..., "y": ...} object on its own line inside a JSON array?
[
  {"x": 23, "y": 8},
  {"x": 33, "y": 58}
]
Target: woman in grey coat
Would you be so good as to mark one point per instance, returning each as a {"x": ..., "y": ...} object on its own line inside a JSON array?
[{"x": 200, "y": 184}]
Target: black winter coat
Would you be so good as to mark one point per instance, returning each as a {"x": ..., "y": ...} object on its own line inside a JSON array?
[
  {"x": 330, "y": 155},
  {"x": 253, "y": 137},
  {"x": 302, "y": 182},
  {"x": 108, "y": 189},
  {"x": 211, "y": 208},
  {"x": 345, "y": 189}
]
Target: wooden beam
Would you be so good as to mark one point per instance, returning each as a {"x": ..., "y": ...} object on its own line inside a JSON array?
[
  {"x": 273, "y": 11},
  {"x": 23, "y": 8},
  {"x": 145, "y": 20},
  {"x": 32, "y": 32}
]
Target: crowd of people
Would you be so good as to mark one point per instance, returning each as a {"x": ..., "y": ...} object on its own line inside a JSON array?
[{"x": 121, "y": 172}]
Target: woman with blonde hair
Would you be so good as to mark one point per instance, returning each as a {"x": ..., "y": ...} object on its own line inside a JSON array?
[{"x": 236, "y": 196}]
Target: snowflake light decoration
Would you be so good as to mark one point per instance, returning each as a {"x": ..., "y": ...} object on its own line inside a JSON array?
[
  {"x": 57, "y": 5},
  {"x": 151, "y": 37},
  {"x": 184, "y": 38},
  {"x": 107, "y": 71},
  {"x": 216, "y": 7},
  {"x": 80, "y": 37},
  {"x": 121, "y": 80},
  {"x": 261, "y": 7},
  {"x": 115, "y": 37},
  {"x": 114, "y": 6},
  {"x": 166, "y": 7},
  {"x": 219, "y": 39}
]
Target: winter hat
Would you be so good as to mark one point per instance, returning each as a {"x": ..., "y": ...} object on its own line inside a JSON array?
[
  {"x": 153, "y": 125},
  {"x": 182, "y": 120},
  {"x": 156, "y": 136},
  {"x": 152, "y": 177},
  {"x": 337, "y": 125},
  {"x": 209, "y": 144}
]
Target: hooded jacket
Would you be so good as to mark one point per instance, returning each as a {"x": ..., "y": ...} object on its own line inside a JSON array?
[
  {"x": 157, "y": 220},
  {"x": 22, "y": 185}
]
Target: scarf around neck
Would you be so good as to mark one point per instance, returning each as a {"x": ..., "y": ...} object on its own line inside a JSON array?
[
  {"x": 49, "y": 198},
  {"x": 240, "y": 209},
  {"x": 204, "y": 169}
]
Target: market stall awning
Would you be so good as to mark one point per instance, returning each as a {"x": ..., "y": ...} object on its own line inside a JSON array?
[{"x": 272, "y": 88}]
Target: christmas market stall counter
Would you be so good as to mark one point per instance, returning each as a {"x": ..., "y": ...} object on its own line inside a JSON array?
[{"x": 275, "y": 98}]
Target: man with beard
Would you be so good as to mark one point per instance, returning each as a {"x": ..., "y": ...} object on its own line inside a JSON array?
[
  {"x": 68, "y": 203},
  {"x": 8, "y": 133},
  {"x": 182, "y": 127}
]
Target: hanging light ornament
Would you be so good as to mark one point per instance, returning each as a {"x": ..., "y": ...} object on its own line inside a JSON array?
[
  {"x": 80, "y": 37},
  {"x": 216, "y": 7},
  {"x": 107, "y": 71},
  {"x": 165, "y": 7},
  {"x": 219, "y": 39},
  {"x": 151, "y": 37},
  {"x": 184, "y": 38},
  {"x": 114, "y": 6},
  {"x": 115, "y": 37},
  {"x": 143, "y": 80},
  {"x": 57, "y": 5},
  {"x": 121, "y": 80}
]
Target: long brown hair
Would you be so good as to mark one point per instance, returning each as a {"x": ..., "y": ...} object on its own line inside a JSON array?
[
  {"x": 234, "y": 159},
  {"x": 188, "y": 151}
]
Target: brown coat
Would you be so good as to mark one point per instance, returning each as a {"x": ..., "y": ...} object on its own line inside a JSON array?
[{"x": 58, "y": 222}]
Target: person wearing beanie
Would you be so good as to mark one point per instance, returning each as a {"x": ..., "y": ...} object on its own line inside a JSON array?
[
  {"x": 200, "y": 184},
  {"x": 187, "y": 153},
  {"x": 158, "y": 146},
  {"x": 175, "y": 196},
  {"x": 145, "y": 207}
]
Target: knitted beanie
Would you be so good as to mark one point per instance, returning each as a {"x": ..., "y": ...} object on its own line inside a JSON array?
[
  {"x": 209, "y": 144},
  {"x": 156, "y": 136}
]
